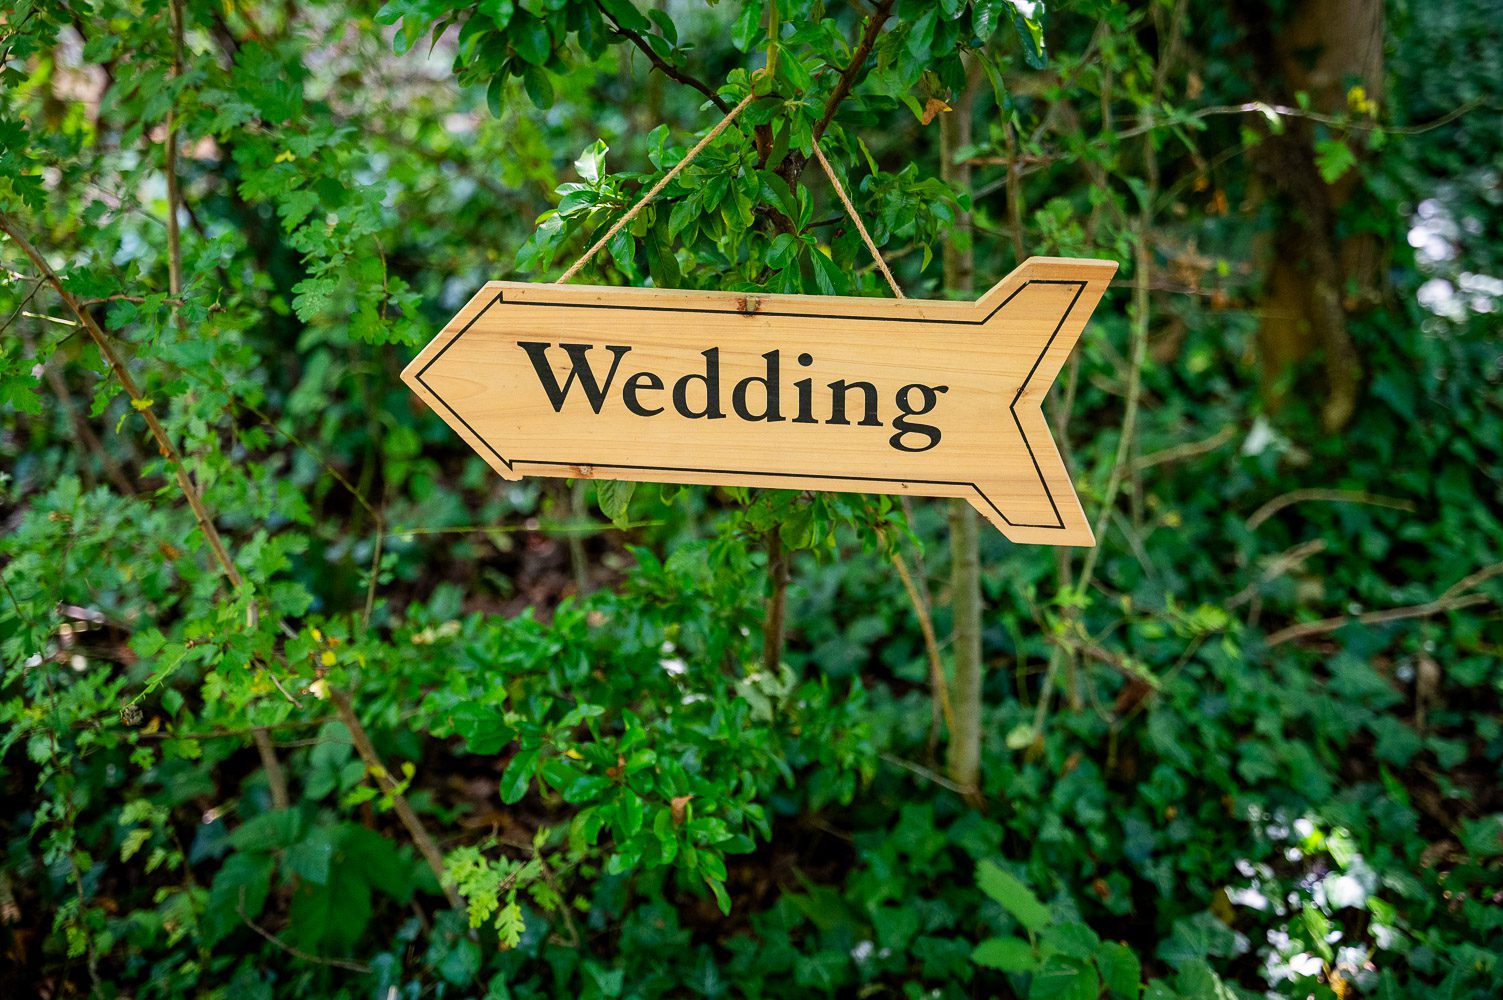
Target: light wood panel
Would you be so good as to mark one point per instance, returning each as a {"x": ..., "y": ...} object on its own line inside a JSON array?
[{"x": 630, "y": 399}]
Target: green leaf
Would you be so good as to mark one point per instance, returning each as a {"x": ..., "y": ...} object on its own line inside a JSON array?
[
  {"x": 722, "y": 899},
  {"x": 614, "y": 497},
  {"x": 483, "y": 727},
  {"x": 1028, "y": 18},
  {"x": 591, "y": 163},
  {"x": 1015, "y": 897},
  {"x": 1120, "y": 969},
  {"x": 782, "y": 251},
  {"x": 1333, "y": 158},
  {"x": 1073, "y": 939},
  {"x": 1008, "y": 954},
  {"x": 311, "y": 857},
  {"x": 1065, "y": 979},
  {"x": 518, "y": 776},
  {"x": 539, "y": 88},
  {"x": 509, "y": 924},
  {"x": 493, "y": 95},
  {"x": 270, "y": 831},
  {"x": 1198, "y": 937},
  {"x": 529, "y": 36},
  {"x": 240, "y": 886},
  {"x": 332, "y": 917},
  {"x": 985, "y": 17}
]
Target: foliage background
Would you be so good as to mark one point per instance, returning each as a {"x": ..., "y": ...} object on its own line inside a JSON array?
[{"x": 419, "y": 732}]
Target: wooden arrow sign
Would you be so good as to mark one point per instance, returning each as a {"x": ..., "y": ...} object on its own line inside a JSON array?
[{"x": 794, "y": 391}]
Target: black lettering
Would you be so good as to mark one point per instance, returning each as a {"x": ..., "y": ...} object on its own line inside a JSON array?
[
  {"x": 711, "y": 379},
  {"x": 930, "y": 396},
  {"x": 838, "y": 392},
  {"x": 578, "y": 366},
  {"x": 772, "y": 412},
  {"x": 635, "y": 384},
  {"x": 805, "y": 389}
]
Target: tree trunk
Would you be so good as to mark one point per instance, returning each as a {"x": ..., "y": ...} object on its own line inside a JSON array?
[
  {"x": 1314, "y": 279},
  {"x": 964, "y": 759}
]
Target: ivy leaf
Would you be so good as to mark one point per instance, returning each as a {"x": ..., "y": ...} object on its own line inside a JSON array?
[
  {"x": 1120, "y": 969},
  {"x": 1007, "y": 954},
  {"x": 1333, "y": 158}
]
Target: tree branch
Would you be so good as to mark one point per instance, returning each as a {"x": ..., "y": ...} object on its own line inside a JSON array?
[
  {"x": 853, "y": 69},
  {"x": 338, "y": 963},
  {"x": 1451, "y": 600},
  {"x": 426, "y": 845},
  {"x": 139, "y": 402},
  {"x": 663, "y": 66}
]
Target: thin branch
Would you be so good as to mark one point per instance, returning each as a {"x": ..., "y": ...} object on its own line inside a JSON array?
[
  {"x": 853, "y": 69},
  {"x": 338, "y": 963},
  {"x": 139, "y": 402},
  {"x": 663, "y": 66},
  {"x": 1451, "y": 599},
  {"x": 424, "y": 841},
  {"x": 1293, "y": 497},
  {"x": 941, "y": 692},
  {"x": 276, "y": 779},
  {"x": 928, "y": 775},
  {"x": 174, "y": 199},
  {"x": 1284, "y": 111},
  {"x": 1276, "y": 567},
  {"x": 81, "y": 427},
  {"x": 1181, "y": 452},
  {"x": 1327, "y": 625}
]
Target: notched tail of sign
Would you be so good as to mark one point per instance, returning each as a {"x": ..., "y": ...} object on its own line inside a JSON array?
[
  {"x": 1019, "y": 333},
  {"x": 1046, "y": 302}
]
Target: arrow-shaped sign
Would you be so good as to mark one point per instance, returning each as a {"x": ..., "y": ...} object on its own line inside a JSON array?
[{"x": 793, "y": 391}]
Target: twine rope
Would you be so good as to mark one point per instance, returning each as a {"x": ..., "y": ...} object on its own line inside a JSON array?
[
  {"x": 667, "y": 178},
  {"x": 856, "y": 218},
  {"x": 657, "y": 188}
]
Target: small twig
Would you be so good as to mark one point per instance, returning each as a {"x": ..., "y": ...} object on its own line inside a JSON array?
[
  {"x": 133, "y": 299},
  {"x": 85, "y": 433},
  {"x": 853, "y": 68},
  {"x": 424, "y": 841},
  {"x": 21, "y": 309},
  {"x": 174, "y": 198},
  {"x": 663, "y": 66},
  {"x": 941, "y": 688},
  {"x": 138, "y": 400},
  {"x": 1277, "y": 567},
  {"x": 1450, "y": 600},
  {"x": 773, "y": 622},
  {"x": 1293, "y": 497},
  {"x": 276, "y": 779},
  {"x": 928, "y": 775},
  {"x": 1328, "y": 625},
  {"x": 338, "y": 963},
  {"x": 1192, "y": 449}
]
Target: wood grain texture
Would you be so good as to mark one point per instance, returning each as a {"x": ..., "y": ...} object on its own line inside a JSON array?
[{"x": 551, "y": 410}]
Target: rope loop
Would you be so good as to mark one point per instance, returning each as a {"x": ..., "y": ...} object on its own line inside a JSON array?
[{"x": 710, "y": 137}]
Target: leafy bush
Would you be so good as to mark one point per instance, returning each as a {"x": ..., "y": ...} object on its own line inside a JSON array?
[{"x": 299, "y": 700}]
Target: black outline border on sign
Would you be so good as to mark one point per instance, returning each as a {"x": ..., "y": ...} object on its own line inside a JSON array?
[{"x": 1012, "y": 407}]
